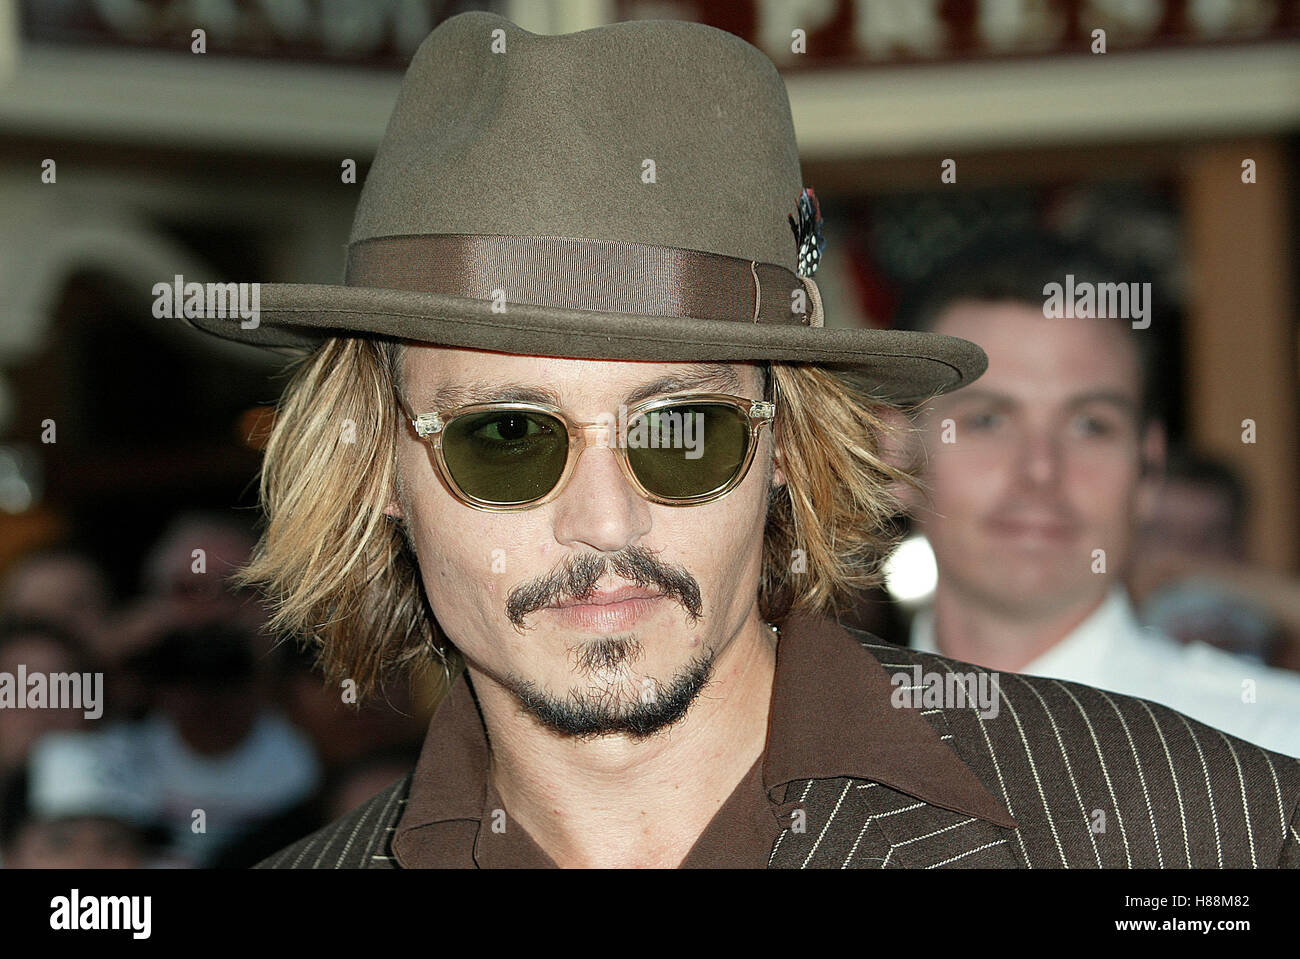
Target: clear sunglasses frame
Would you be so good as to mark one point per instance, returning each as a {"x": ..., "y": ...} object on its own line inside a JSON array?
[{"x": 431, "y": 426}]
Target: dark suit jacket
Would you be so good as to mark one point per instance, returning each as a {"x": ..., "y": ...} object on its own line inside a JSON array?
[{"x": 1092, "y": 779}]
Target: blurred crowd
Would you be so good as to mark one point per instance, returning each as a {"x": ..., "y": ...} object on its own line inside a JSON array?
[
  {"x": 1193, "y": 579},
  {"x": 213, "y": 745}
]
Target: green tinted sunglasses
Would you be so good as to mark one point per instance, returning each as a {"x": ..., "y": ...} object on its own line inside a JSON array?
[{"x": 679, "y": 451}]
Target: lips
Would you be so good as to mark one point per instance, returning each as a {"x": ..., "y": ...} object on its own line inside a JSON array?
[
  {"x": 610, "y": 598},
  {"x": 1034, "y": 528},
  {"x": 609, "y": 611}
]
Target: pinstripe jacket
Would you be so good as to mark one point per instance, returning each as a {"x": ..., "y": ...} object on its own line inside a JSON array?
[{"x": 1044, "y": 774}]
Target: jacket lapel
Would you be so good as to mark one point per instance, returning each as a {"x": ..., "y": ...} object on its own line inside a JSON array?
[{"x": 857, "y": 824}]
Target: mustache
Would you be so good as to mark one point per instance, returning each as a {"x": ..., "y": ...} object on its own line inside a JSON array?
[{"x": 576, "y": 579}]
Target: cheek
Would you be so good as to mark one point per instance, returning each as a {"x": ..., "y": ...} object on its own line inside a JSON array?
[
  {"x": 455, "y": 547},
  {"x": 466, "y": 555},
  {"x": 716, "y": 542},
  {"x": 1103, "y": 485},
  {"x": 456, "y": 567},
  {"x": 965, "y": 480},
  {"x": 460, "y": 549},
  {"x": 700, "y": 539}
]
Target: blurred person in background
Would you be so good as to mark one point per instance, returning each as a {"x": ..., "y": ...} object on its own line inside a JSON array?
[
  {"x": 218, "y": 755},
  {"x": 1191, "y": 575},
  {"x": 189, "y": 568},
  {"x": 60, "y": 586},
  {"x": 184, "y": 583},
  {"x": 342, "y": 730},
  {"x": 40, "y": 647},
  {"x": 360, "y": 746},
  {"x": 1037, "y": 477},
  {"x": 73, "y": 807},
  {"x": 170, "y": 567}
]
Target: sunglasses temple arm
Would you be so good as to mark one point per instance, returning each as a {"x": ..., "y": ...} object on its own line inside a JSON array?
[{"x": 406, "y": 410}]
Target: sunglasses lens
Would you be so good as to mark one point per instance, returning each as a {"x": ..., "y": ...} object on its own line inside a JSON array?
[
  {"x": 688, "y": 449},
  {"x": 506, "y": 457}
]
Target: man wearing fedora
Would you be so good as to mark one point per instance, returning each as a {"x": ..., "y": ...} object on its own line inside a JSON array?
[{"x": 574, "y": 434}]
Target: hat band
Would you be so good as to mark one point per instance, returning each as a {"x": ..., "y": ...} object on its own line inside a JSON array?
[{"x": 607, "y": 276}]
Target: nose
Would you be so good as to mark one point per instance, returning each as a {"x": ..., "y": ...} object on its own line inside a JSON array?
[
  {"x": 599, "y": 509},
  {"x": 1039, "y": 460}
]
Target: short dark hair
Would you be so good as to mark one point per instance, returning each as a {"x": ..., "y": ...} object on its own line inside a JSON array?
[
  {"x": 14, "y": 628},
  {"x": 998, "y": 268},
  {"x": 1207, "y": 472}
]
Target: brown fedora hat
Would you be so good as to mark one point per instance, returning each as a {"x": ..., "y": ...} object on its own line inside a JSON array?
[{"x": 630, "y": 192}]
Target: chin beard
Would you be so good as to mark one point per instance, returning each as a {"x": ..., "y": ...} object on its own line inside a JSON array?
[{"x": 615, "y": 705}]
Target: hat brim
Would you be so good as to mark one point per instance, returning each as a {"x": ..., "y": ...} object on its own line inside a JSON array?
[{"x": 902, "y": 366}]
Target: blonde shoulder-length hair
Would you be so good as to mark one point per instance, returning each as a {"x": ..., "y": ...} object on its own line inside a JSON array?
[{"x": 338, "y": 573}]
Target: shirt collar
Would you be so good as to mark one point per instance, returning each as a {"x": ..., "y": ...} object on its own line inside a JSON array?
[
  {"x": 1113, "y": 621},
  {"x": 921, "y": 637},
  {"x": 452, "y": 800},
  {"x": 1091, "y": 645},
  {"x": 831, "y": 716}
]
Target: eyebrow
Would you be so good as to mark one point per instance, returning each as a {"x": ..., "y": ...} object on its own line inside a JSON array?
[
  {"x": 715, "y": 377},
  {"x": 1112, "y": 397}
]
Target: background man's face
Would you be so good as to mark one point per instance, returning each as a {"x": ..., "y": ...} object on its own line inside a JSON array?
[
  {"x": 1046, "y": 463},
  {"x": 21, "y": 728},
  {"x": 635, "y": 666},
  {"x": 1192, "y": 519}
]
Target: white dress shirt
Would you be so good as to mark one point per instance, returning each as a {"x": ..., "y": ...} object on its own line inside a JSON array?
[
  {"x": 274, "y": 768},
  {"x": 1111, "y": 650}
]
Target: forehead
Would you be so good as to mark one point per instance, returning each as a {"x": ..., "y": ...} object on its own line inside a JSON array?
[
  {"x": 451, "y": 374},
  {"x": 31, "y": 647},
  {"x": 1032, "y": 357}
]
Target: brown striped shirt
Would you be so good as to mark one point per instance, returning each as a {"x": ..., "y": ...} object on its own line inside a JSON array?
[
  {"x": 1093, "y": 779},
  {"x": 830, "y": 716}
]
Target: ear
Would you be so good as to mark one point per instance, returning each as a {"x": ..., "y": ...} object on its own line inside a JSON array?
[
  {"x": 778, "y": 474},
  {"x": 1154, "y": 451},
  {"x": 394, "y": 507}
]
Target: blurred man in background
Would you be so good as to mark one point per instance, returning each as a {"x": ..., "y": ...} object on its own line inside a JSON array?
[
  {"x": 1191, "y": 577},
  {"x": 1037, "y": 478},
  {"x": 39, "y": 648},
  {"x": 218, "y": 756},
  {"x": 61, "y": 586},
  {"x": 1200, "y": 512},
  {"x": 183, "y": 584},
  {"x": 75, "y": 806}
]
